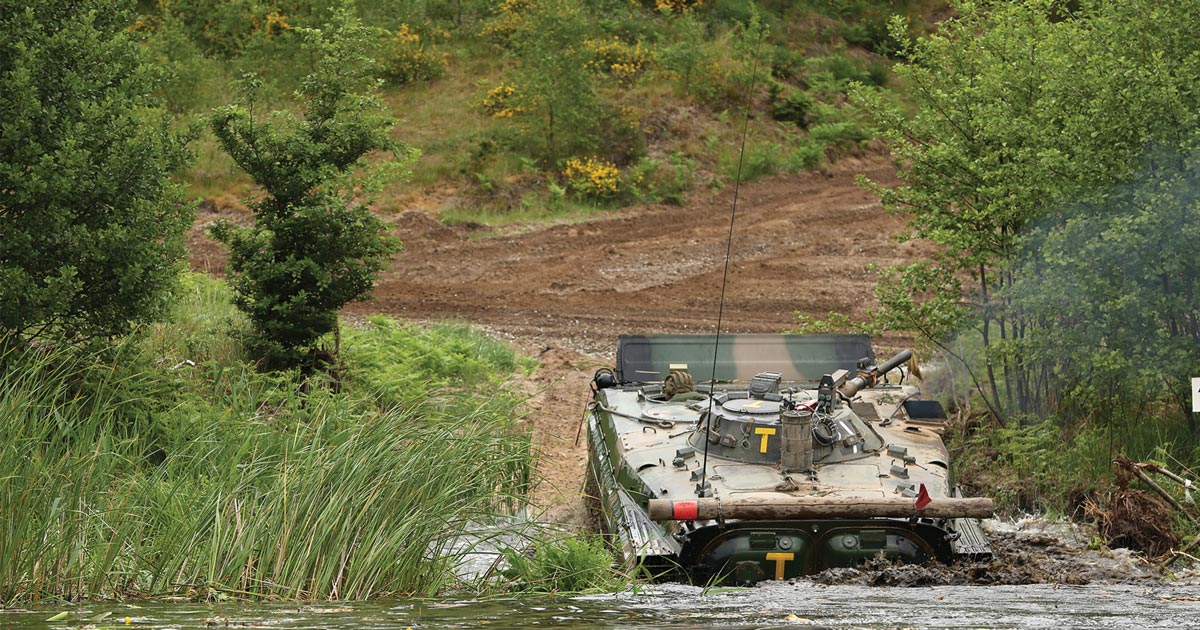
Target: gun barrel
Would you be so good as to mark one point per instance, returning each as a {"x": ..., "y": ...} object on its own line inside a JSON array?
[
  {"x": 852, "y": 386},
  {"x": 891, "y": 364}
]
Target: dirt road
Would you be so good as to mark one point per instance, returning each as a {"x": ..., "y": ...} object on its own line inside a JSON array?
[{"x": 564, "y": 292}]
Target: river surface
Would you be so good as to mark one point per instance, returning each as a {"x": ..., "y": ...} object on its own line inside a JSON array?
[
  {"x": 1044, "y": 576},
  {"x": 773, "y": 605}
]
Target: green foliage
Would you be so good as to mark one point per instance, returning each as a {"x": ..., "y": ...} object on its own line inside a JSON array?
[
  {"x": 140, "y": 476},
  {"x": 91, "y": 226},
  {"x": 204, "y": 325},
  {"x": 554, "y": 98},
  {"x": 312, "y": 248},
  {"x": 656, "y": 181},
  {"x": 1052, "y": 466},
  {"x": 751, "y": 51},
  {"x": 760, "y": 159},
  {"x": 567, "y": 565},
  {"x": 408, "y": 57},
  {"x": 833, "y": 322},
  {"x": 191, "y": 82},
  {"x": 688, "y": 57},
  {"x": 790, "y": 104},
  {"x": 837, "y": 71},
  {"x": 396, "y": 361},
  {"x": 1053, "y": 159}
]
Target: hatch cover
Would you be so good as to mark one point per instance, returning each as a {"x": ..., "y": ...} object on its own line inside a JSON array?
[
  {"x": 671, "y": 413},
  {"x": 752, "y": 406}
]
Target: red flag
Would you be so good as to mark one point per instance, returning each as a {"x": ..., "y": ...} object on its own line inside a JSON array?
[{"x": 923, "y": 498}]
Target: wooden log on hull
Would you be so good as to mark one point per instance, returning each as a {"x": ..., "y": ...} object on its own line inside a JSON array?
[{"x": 802, "y": 508}]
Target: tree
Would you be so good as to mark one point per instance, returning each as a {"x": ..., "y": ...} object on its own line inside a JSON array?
[
  {"x": 1053, "y": 156},
  {"x": 91, "y": 227},
  {"x": 555, "y": 87},
  {"x": 313, "y": 248}
]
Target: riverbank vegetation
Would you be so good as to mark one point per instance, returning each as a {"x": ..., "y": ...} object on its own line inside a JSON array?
[
  {"x": 167, "y": 465},
  {"x": 1052, "y": 157}
]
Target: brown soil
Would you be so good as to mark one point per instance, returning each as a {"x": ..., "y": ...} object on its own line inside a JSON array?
[{"x": 563, "y": 292}]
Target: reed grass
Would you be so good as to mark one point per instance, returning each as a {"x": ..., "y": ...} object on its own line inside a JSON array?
[{"x": 133, "y": 478}]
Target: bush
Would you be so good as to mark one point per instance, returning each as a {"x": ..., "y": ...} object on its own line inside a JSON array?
[
  {"x": 313, "y": 247},
  {"x": 652, "y": 181},
  {"x": 839, "y": 134},
  {"x": 593, "y": 178},
  {"x": 761, "y": 159},
  {"x": 565, "y": 565},
  {"x": 396, "y": 361},
  {"x": 625, "y": 63},
  {"x": 792, "y": 105},
  {"x": 835, "y": 72},
  {"x": 806, "y": 155},
  {"x": 409, "y": 59},
  {"x": 91, "y": 225}
]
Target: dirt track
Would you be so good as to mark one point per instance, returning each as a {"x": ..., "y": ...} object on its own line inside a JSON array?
[{"x": 564, "y": 292}]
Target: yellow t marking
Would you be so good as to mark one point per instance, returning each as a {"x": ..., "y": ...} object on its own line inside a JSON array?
[
  {"x": 765, "y": 432},
  {"x": 780, "y": 559}
]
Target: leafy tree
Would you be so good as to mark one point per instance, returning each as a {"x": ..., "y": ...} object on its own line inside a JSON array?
[
  {"x": 90, "y": 224},
  {"x": 312, "y": 247},
  {"x": 555, "y": 89},
  {"x": 1053, "y": 156}
]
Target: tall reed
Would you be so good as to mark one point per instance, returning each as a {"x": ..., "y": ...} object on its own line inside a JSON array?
[{"x": 137, "y": 479}]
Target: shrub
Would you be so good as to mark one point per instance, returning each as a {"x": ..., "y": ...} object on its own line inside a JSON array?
[
  {"x": 91, "y": 225},
  {"x": 677, "y": 6},
  {"x": 565, "y": 565},
  {"x": 312, "y": 248},
  {"x": 839, "y": 134},
  {"x": 408, "y": 59},
  {"x": 760, "y": 159},
  {"x": 395, "y": 361},
  {"x": 792, "y": 105},
  {"x": 623, "y": 62},
  {"x": 595, "y": 178},
  {"x": 503, "y": 101}
]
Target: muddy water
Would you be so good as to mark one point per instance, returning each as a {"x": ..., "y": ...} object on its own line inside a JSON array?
[
  {"x": 1045, "y": 575},
  {"x": 803, "y": 604}
]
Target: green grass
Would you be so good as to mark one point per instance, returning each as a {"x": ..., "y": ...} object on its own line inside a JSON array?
[{"x": 131, "y": 474}]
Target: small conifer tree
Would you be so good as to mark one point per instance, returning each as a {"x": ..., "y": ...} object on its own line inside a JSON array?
[{"x": 313, "y": 246}]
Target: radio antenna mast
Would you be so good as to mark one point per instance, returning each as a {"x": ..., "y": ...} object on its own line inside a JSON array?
[{"x": 703, "y": 490}]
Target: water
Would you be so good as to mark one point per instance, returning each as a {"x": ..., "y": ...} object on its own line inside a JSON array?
[
  {"x": 1122, "y": 591},
  {"x": 775, "y": 605}
]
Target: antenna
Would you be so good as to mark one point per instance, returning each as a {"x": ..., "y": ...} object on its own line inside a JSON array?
[{"x": 702, "y": 490}]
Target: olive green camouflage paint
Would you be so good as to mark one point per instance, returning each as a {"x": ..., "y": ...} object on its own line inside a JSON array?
[{"x": 798, "y": 358}]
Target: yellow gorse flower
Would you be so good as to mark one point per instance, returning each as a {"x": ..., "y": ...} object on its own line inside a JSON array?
[
  {"x": 408, "y": 59},
  {"x": 622, "y": 61},
  {"x": 677, "y": 6},
  {"x": 592, "y": 177},
  {"x": 500, "y": 102},
  {"x": 276, "y": 23}
]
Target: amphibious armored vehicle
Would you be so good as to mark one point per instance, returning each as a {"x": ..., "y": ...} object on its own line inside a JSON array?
[{"x": 759, "y": 457}]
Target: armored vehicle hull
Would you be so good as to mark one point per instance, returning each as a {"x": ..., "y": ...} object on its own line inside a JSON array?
[{"x": 791, "y": 457}]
